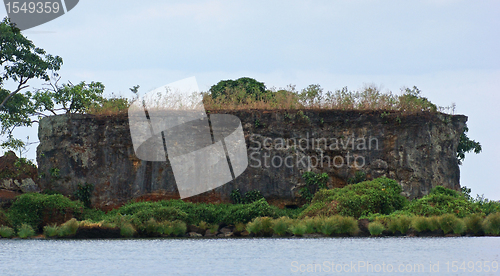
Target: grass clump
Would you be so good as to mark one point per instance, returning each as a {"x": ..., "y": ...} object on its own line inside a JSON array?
[
  {"x": 25, "y": 231},
  {"x": 491, "y": 224},
  {"x": 179, "y": 228},
  {"x": 127, "y": 230},
  {"x": 348, "y": 225},
  {"x": 68, "y": 228},
  {"x": 421, "y": 224},
  {"x": 449, "y": 223},
  {"x": 50, "y": 230},
  {"x": 403, "y": 224},
  {"x": 281, "y": 226},
  {"x": 376, "y": 228},
  {"x": 6, "y": 232},
  {"x": 474, "y": 223},
  {"x": 298, "y": 229}
]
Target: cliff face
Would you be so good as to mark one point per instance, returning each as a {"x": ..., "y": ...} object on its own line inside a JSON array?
[{"x": 418, "y": 150}]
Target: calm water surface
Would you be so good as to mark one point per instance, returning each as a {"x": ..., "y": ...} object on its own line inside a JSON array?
[{"x": 321, "y": 256}]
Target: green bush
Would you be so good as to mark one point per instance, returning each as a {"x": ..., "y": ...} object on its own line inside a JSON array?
[
  {"x": 25, "y": 231},
  {"x": 298, "y": 228},
  {"x": 329, "y": 225},
  {"x": 491, "y": 224},
  {"x": 448, "y": 222},
  {"x": 84, "y": 194},
  {"x": 421, "y": 224},
  {"x": 403, "y": 224},
  {"x": 376, "y": 228},
  {"x": 30, "y": 208},
  {"x": 281, "y": 225},
  {"x": 348, "y": 225},
  {"x": 392, "y": 224},
  {"x": 4, "y": 219},
  {"x": 255, "y": 226},
  {"x": 50, "y": 230},
  {"x": 179, "y": 228},
  {"x": 381, "y": 195},
  {"x": 474, "y": 223},
  {"x": 6, "y": 232},
  {"x": 239, "y": 89},
  {"x": 443, "y": 201},
  {"x": 459, "y": 227},
  {"x": 68, "y": 228},
  {"x": 313, "y": 183}
]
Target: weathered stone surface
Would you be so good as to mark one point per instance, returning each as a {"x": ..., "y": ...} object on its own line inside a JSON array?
[
  {"x": 17, "y": 176},
  {"x": 417, "y": 150}
]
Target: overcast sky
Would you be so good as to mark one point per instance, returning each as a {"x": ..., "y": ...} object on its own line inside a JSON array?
[{"x": 447, "y": 48}]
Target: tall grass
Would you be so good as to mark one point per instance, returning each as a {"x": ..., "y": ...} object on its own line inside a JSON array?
[
  {"x": 127, "y": 230},
  {"x": 25, "y": 231},
  {"x": 491, "y": 224},
  {"x": 50, "y": 230},
  {"x": 474, "y": 223},
  {"x": 376, "y": 228},
  {"x": 298, "y": 228},
  {"x": 449, "y": 223},
  {"x": 281, "y": 226},
  {"x": 421, "y": 224},
  {"x": 6, "y": 232}
]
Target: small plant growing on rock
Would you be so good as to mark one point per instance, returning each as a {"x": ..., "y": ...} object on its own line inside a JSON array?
[
  {"x": 25, "y": 231},
  {"x": 376, "y": 228},
  {"x": 6, "y": 232}
]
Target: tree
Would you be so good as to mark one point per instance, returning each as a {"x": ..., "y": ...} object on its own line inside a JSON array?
[
  {"x": 21, "y": 62},
  {"x": 466, "y": 145},
  {"x": 240, "y": 88}
]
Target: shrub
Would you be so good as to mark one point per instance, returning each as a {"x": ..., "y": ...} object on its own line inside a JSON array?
[
  {"x": 68, "y": 228},
  {"x": 6, "y": 232},
  {"x": 329, "y": 225},
  {"x": 442, "y": 201},
  {"x": 4, "y": 219},
  {"x": 179, "y": 228},
  {"x": 348, "y": 225},
  {"x": 381, "y": 195},
  {"x": 280, "y": 226},
  {"x": 491, "y": 224},
  {"x": 151, "y": 227},
  {"x": 127, "y": 230},
  {"x": 239, "y": 227},
  {"x": 392, "y": 225},
  {"x": 31, "y": 208},
  {"x": 433, "y": 223},
  {"x": 448, "y": 222},
  {"x": 313, "y": 183},
  {"x": 474, "y": 223},
  {"x": 84, "y": 193},
  {"x": 247, "y": 212},
  {"x": 165, "y": 228},
  {"x": 255, "y": 226},
  {"x": 50, "y": 230},
  {"x": 459, "y": 226},
  {"x": 298, "y": 229},
  {"x": 403, "y": 224},
  {"x": 421, "y": 224},
  {"x": 376, "y": 228},
  {"x": 25, "y": 231}
]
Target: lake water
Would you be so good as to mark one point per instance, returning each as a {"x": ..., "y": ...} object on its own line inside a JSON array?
[{"x": 259, "y": 256}]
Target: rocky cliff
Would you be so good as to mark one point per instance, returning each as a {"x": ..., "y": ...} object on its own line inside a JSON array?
[{"x": 417, "y": 150}]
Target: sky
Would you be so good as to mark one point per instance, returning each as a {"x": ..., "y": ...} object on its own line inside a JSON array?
[{"x": 449, "y": 49}]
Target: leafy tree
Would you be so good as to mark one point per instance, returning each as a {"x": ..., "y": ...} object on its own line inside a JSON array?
[
  {"x": 241, "y": 88},
  {"x": 466, "y": 145},
  {"x": 21, "y": 62}
]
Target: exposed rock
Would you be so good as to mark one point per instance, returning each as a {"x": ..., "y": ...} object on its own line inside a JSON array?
[
  {"x": 194, "y": 235},
  {"x": 417, "y": 150},
  {"x": 17, "y": 175},
  {"x": 193, "y": 228},
  {"x": 225, "y": 230},
  {"x": 209, "y": 233}
]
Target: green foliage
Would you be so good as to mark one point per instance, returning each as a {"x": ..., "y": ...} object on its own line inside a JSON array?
[
  {"x": 50, "y": 230},
  {"x": 21, "y": 62},
  {"x": 255, "y": 226},
  {"x": 68, "y": 228},
  {"x": 127, "y": 230},
  {"x": 381, "y": 195},
  {"x": 84, "y": 193},
  {"x": 474, "y": 223},
  {"x": 443, "y": 201},
  {"x": 6, "y": 232},
  {"x": 239, "y": 89},
  {"x": 376, "y": 228},
  {"x": 250, "y": 196},
  {"x": 449, "y": 222},
  {"x": 466, "y": 145},
  {"x": 281, "y": 225},
  {"x": 348, "y": 225},
  {"x": 261, "y": 226},
  {"x": 359, "y": 176},
  {"x": 421, "y": 224},
  {"x": 4, "y": 219},
  {"x": 71, "y": 98},
  {"x": 313, "y": 183},
  {"x": 298, "y": 229},
  {"x": 403, "y": 224},
  {"x": 25, "y": 231},
  {"x": 30, "y": 208},
  {"x": 411, "y": 100},
  {"x": 491, "y": 224}
]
